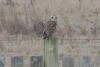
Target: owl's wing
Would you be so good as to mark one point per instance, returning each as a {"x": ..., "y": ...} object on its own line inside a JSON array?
[{"x": 50, "y": 29}]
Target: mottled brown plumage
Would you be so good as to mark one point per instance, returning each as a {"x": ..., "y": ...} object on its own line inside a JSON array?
[
  {"x": 46, "y": 30},
  {"x": 50, "y": 27}
]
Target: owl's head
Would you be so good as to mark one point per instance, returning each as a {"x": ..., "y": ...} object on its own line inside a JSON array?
[{"x": 53, "y": 18}]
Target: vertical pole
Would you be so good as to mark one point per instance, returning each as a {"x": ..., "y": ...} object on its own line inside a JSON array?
[{"x": 50, "y": 57}]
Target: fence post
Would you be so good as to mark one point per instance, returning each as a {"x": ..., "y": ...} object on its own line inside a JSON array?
[{"x": 50, "y": 52}]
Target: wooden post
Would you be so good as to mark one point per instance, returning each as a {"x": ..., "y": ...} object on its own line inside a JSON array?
[{"x": 50, "y": 57}]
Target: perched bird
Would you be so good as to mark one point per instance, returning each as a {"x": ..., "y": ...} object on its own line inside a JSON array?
[
  {"x": 46, "y": 30},
  {"x": 50, "y": 27}
]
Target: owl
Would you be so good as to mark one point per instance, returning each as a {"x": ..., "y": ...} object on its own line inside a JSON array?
[{"x": 50, "y": 27}]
